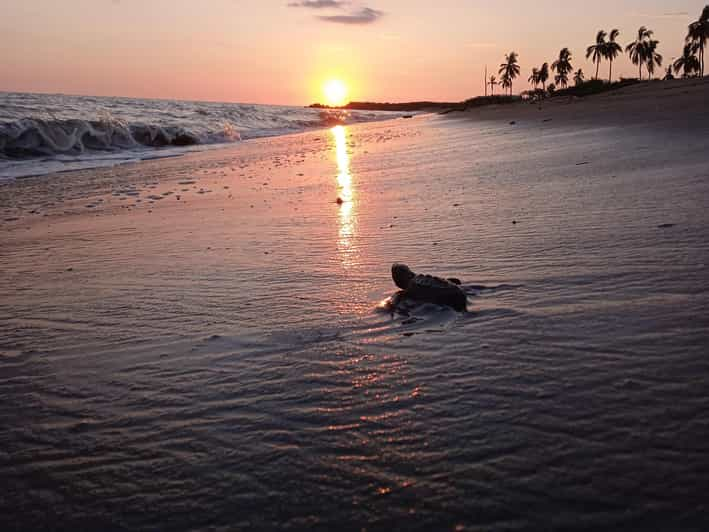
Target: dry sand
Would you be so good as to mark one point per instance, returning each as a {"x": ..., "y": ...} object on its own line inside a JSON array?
[{"x": 667, "y": 104}]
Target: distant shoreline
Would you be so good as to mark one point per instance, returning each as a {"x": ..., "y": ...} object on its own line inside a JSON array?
[
  {"x": 387, "y": 106},
  {"x": 588, "y": 89}
]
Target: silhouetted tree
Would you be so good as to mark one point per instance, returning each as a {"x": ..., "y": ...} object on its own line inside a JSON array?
[
  {"x": 493, "y": 84},
  {"x": 688, "y": 62},
  {"x": 652, "y": 58},
  {"x": 509, "y": 70},
  {"x": 698, "y": 34},
  {"x": 563, "y": 67},
  {"x": 611, "y": 51},
  {"x": 544, "y": 75},
  {"x": 579, "y": 77},
  {"x": 638, "y": 50},
  {"x": 668, "y": 73},
  {"x": 597, "y": 50},
  {"x": 534, "y": 77},
  {"x": 506, "y": 82}
]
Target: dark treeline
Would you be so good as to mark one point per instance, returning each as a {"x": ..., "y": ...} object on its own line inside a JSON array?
[
  {"x": 642, "y": 52},
  {"x": 401, "y": 107},
  {"x": 411, "y": 107}
]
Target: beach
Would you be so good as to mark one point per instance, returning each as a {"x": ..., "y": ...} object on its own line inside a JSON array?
[{"x": 198, "y": 342}]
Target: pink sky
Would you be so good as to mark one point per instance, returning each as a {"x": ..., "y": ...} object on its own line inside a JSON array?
[{"x": 267, "y": 51}]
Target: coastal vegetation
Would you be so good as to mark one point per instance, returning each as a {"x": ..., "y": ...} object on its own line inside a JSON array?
[
  {"x": 643, "y": 52},
  {"x": 612, "y": 51},
  {"x": 509, "y": 70},
  {"x": 492, "y": 83},
  {"x": 579, "y": 77},
  {"x": 597, "y": 50},
  {"x": 562, "y": 67},
  {"x": 697, "y": 36},
  {"x": 387, "y": 106},
  {"x": 688, "y": 63}
]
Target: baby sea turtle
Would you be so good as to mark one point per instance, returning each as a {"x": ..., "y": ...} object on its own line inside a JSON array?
[{"x": 428, "y": 289}]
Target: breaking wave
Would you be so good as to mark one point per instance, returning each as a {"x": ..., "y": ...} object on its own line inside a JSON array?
[
  {"x": 31, "y": 137},
  {"x": 78, "y": 131}
]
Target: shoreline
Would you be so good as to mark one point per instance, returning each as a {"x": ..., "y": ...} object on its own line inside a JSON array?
[
  {"x": 625, "y": 106},
  {"x": 84, "y": 134},
  {"x": 656, "y": 104}
]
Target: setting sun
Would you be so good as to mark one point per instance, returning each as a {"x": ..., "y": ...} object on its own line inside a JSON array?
[{"x": 335, "y": 92}]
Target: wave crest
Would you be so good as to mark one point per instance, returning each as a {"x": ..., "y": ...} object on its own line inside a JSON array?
[
  {"x": 32, "y": 137},
  {"x": 47, "y": 133}
]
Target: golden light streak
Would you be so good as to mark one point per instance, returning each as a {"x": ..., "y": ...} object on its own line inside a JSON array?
[{"x": 346, "y": 194}]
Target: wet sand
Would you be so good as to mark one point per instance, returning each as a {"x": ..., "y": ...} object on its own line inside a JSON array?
[{"x": 195, "y": 342}]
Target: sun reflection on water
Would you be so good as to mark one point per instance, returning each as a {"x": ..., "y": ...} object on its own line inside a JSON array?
[{"x": 346, "y": 195}]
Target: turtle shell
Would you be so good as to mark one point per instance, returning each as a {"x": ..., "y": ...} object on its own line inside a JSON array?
[{"x": 435, "y": 290}]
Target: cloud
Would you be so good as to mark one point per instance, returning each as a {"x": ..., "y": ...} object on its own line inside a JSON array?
[
  {"x": 319, "y": 4},
  {"x": 366, "y": 15},
  {"x": 675, "y": 14}
]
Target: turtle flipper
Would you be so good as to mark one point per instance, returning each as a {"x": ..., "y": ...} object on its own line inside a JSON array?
[{"x": 396, "y": 304}]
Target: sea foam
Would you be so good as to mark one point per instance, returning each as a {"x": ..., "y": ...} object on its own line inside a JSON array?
[{"x": 47, "y": 133}]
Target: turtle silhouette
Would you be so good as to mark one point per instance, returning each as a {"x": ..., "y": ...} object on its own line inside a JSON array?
[{"x": 428, "y": 289}]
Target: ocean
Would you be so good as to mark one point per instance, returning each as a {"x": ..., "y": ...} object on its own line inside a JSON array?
[{"x": 45, "y": 133}]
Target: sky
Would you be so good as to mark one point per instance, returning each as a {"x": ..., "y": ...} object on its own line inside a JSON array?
[{"x": 284, "y": 51}]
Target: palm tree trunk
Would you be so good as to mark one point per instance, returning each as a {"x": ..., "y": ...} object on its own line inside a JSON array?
[
  {"x": 598, "y": 66},
  {"x": 640, "y": 70},
  {"x": 610, "y": 73}
]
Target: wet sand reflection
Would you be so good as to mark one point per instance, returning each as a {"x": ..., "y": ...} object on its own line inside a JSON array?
[{"x": 346, "y": 193}]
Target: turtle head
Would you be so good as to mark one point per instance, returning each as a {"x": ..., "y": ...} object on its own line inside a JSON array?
[{"x": 402, "y": 275}]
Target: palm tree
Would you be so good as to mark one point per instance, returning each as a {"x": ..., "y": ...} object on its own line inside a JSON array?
[
  {"x": 652, "y": 58},
  {"x": 510, "y": 69},
  {"x": 506, "y": 82},
  {"x": 597, "y": 51},
  {"x": 578, "y": 77},
  {"x": 698, "y": 34},
  {"x": 492, "y": 83},
  {"x": 544, "y": 75},
  {"x": 534, "y": 78},
  {"x": 611, "y": 51},
  {"x": 688, "y": 63},
  {"x": 638, "y": 50},
  {"x": 563, "y": 67}
]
